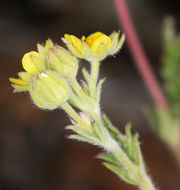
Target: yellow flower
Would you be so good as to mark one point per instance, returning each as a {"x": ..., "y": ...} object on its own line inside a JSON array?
[
  {"x": 96, "y": 46},
  {"x": 74, "y": 41},
  {"x": 43, "y": 76},
  {"x": 19, "y": 84},
  {"x": 96, "y": 39},
  {"x": 32, "y": 64}
]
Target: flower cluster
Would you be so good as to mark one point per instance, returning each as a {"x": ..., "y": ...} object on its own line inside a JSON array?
[
  {"x": 96, "y": 46},
  {"x": 49, "y": 70},
  {"x": 46, "y": 74}
]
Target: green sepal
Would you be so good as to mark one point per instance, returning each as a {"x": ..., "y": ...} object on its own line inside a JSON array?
[
  {"x": 114, "y": 37},
  {"x": 120, "y": 43},
  {"x": 54, "y": 63},
  {"x": 39, "y": 62},
  {"x": 68, "y": 61},
  {"x": 25, "y": 76},
  {"x": 43, "y": 52},
  {"x": 19, "y": 88}
]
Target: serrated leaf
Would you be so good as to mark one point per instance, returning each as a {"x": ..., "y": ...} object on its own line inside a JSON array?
[{"x": 121, "y": 172}]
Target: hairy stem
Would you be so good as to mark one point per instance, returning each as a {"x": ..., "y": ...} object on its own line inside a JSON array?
[{"x": 94, "y": 77}]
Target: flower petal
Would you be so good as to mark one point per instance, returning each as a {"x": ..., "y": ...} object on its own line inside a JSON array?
[
  {"x": 76, "y": 42},
  {"x": 17, "y": 81},
  {"x": 25, "y": 76},
  {"x": 92, "y": 37},
  {"x": 27, "y": 62},
  {"x": 97, "y": 38}
]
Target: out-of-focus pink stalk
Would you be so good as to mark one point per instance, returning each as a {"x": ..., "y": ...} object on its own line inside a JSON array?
[{"x": 139, "y": 55}]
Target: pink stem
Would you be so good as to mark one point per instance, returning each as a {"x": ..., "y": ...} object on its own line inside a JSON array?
[{"x": 139, "y": 55}]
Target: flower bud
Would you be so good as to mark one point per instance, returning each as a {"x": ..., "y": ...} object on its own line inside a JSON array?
[
  {"x": 63, "y": 62},
  {"x": 49, "y": 90}
]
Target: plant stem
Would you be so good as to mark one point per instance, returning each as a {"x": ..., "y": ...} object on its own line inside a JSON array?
[
  {"x": 94, "y": 77},
  {"x": 139, "y": 175},
  {"x": 88, "y": 104},
  {"x": 146, "y": 183},
  {"x": 139, "y": 55}
]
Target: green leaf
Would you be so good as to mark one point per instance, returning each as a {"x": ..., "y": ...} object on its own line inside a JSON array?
[
  {"x": 141, "y": 162},
  {"x": 97, "y": 130},
  {"x": 113, "y": 131},
  {"x": 83, "y": 139},
  {"x": 109, "y": 158},
  {"x": 135, "y": 149},
  {"x": 85, "y": 87},
  {"x": 121, "y": 172},
  {"x": 98, "y": 90},
  {"x": 75, "y": 101},
  {"x": 83, "y": 133},
  {"x": 171, "y": 72},
  {"x": 86, "y": 75},
  {"x": 128, "y": 140}
]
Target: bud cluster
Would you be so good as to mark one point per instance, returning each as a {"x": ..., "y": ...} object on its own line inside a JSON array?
[{"x": 46, "y": 75}]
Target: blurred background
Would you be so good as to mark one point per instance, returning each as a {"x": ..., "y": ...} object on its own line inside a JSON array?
[{"x": 34, "y": 150}]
